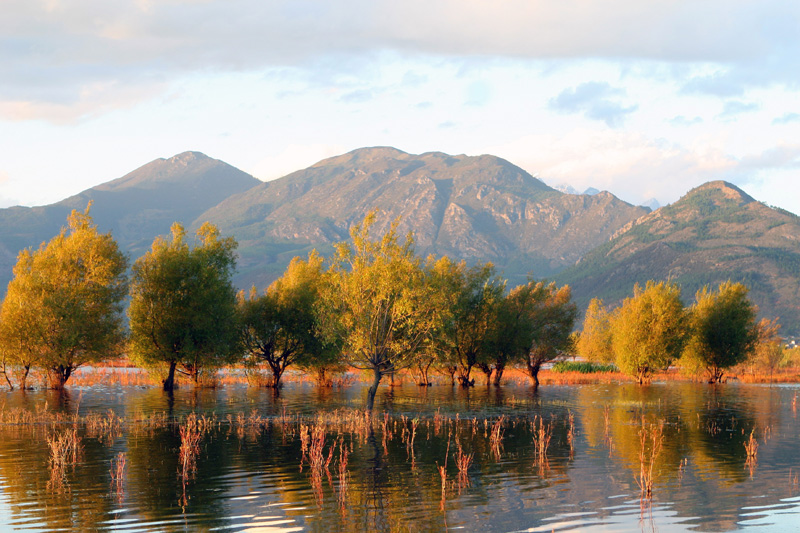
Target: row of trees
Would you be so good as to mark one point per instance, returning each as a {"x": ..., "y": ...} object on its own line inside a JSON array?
[
  {"x": 652, "y": 330},
  {"x": 374, "y": 305}
]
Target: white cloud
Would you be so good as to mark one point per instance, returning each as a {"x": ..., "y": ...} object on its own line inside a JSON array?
[{"x": 52, "y": 51}]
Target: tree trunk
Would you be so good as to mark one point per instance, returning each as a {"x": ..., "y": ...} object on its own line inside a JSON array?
[
  {"x": 169, "y": 381},
  {"x": 715, "y": 374},
  {"x": 277, "y": 372},
  {"x": 463, "y": 376},
  {"x": 373, "y": 389},
  {"x": 451, "y": 371},
  {"x": 8, "y": 380},
  {"x": 23, "y": 381},
  {"x": 533, "y": 371},
  {"x": 487, "y": 370},
  {"x": 498, "y": 373},
  {"x": 59, "y": 375},
  {"x": 422, "y": 379}
]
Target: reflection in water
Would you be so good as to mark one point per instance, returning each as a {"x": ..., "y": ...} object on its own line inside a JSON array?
[{"x": 383, "y": 475}]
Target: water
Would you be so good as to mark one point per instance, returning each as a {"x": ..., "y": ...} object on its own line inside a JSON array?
[{"x": 248, "y": 475}]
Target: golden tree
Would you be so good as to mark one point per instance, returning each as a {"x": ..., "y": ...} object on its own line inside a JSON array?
[{"x": 63, "y": 307}]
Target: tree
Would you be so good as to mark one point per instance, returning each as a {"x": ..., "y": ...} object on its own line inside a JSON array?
[
  {"x": 377, "y": 303},
  {"x": 551, "y": 319},
  {"x": 183, "y": 304},
  {"x": 723, "y": 329},
  {"x": 281, "y": 327},
  {"x": 649, "y": 330},
  {"x": 468, "y": 299},
  {"x": 63, "y": 307},
  {"x": 769, "y": 349},
  {"x": 594, "y": 342}
]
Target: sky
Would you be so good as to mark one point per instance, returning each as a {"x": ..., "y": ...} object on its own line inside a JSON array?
[{"x": 643, "y": 99}]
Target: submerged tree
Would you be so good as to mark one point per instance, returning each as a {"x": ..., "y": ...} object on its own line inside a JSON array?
[
  {"x": 281, "y": 327},
  {"x": 723, "y": 329},
  {"x": 467, "y": 300},
  {"x": 183, "y": 304},
  {"x": 377, "y": 302},
  {"x": 649, "y": 330},
  {"x": 64, "y": 306},
  {"x": 551, "y": 316}
]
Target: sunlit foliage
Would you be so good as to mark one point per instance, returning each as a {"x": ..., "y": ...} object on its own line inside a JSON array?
[
  {"x": 281, "y": 327},
  {"x": 64, "y": 306},
  {"x": 183, "y": 304},
  {"x": 377, "y": 302},
  {"x": 723, "y": 329},
  {"x": 649, "y": 330}
]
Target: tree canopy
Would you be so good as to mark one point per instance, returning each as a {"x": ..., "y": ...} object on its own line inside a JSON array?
[
  {"x": 377, "y": 302},
  {"x": 281, "y": 327},
  {"x": 649, "y": 329},
  {"x": 723, "y": 329},
  {"x": 183, "y": 304},
  {"x": 63, "y": 307}
]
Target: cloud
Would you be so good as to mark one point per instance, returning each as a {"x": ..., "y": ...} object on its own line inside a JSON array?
[
  {"x": 735, "y": 107},
  {"x": 787, "y": 118},
  {"x": 52, "y": 51},
  {"x": 637, "y": 168},
  {"x": 680, "y": 120},
  {"x": 593, "y": 99}
]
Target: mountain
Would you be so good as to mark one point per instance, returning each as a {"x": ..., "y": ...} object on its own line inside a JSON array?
[
  {"x": 474, "y": 208},
  {"x": 135, "y": 208},
  {"x": 714, "y": 233}
]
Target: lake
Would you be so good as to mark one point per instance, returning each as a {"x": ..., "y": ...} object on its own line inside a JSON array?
[{"x": 562, "y": 458}]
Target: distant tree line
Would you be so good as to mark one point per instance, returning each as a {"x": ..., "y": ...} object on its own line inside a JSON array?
[{"x": 652, "y": 330}]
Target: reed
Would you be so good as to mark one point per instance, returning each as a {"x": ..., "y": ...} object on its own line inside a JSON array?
[
  {"x": 496, "y": 437},
  {"x": 571, "y": 434},
  {"x": 443, "y": 475},
  {"x": 751, "y": 448},
  {"x": 191, "y": 432},
  {"x": 648, "y": 455},
  {"x": 65, "y": 450},
  {"x": 542, "y": 433},
  {"x": 463, "y": 462},
  {"x": 118, "y": 474}
]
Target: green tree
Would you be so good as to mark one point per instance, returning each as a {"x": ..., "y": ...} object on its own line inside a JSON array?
[
  {"x": 183, "y": 304},
  {"x": 281, "y": 327},
  {"x": 551, "y": 318},
  {"x": 63, "y": 307},
  {"x": 467, "y": 300},
  {"x": 377, "y": 302},
  {"x": 594, "y": 341},
  {"x": 649, "y": 330},
  {"x": 723, "y": 329}
]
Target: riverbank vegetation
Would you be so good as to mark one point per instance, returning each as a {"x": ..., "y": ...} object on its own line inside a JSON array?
[{"x": 374, "y": 309}]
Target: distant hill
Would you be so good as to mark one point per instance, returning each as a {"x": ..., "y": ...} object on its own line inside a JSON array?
[
  {"x": 714, "y": 233},
  {"x": 475, "y": 208},
  {"x": 135, "y": 207}
]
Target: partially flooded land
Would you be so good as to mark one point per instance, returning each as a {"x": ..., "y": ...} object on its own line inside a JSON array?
[{"x": 673, "y": 456}]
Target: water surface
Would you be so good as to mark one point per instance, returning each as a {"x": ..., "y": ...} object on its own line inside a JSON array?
[{"x": 250, "y": 472}]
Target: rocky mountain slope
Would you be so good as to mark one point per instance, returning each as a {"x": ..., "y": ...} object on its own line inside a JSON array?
[
  {"x": 714, "y": 233},
  {"x": 474, "y": 208},
  {"x": 135, "y": 207}
]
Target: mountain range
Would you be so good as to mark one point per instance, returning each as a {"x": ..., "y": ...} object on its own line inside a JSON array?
[{"x": 474, "y": 208}]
